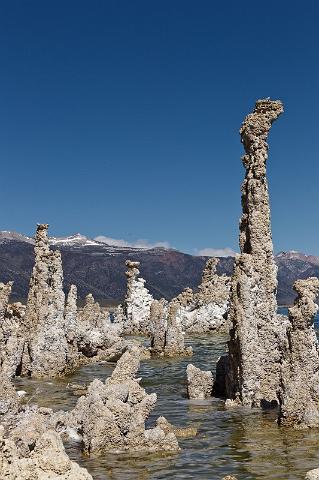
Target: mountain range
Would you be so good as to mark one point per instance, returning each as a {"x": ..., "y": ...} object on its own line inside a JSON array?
[{"x": 98, "y": 268}]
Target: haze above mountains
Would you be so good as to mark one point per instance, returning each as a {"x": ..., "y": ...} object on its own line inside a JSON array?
[{"x": 98, "y": 268}]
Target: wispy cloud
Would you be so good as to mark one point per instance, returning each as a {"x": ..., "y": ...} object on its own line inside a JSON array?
[
  {"x": 116, "y": 242},
  {"x": 215, "y": 252}
]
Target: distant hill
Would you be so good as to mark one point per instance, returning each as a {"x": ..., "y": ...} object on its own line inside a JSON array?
[{"x": 99, "y": 268}]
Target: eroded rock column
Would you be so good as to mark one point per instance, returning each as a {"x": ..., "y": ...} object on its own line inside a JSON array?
[
  {"x": 158, "y": 323},
  {"x": 5, "y": 291},
  {"x": 299, "y": 397},
  {"x": 137, "y": 302},
  {"x": 70, "y": 314},
  {"x": 174, "y": 340},
  {"x": 45, "y": 310},
  {"x": 200, "y": 383},
  {"x": 255, "y": 346},
  {"x": 167, "y": 336}
]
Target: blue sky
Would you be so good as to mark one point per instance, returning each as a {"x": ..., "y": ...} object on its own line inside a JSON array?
[{"x": 121, "y": 118}]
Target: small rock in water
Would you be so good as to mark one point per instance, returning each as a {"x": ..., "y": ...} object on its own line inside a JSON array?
[
  {"x": 21, "y": 393},
  {"x": 73, "y": 434},
  {"x": 200, "y": 383},
  {"x": 312, "y": 474}
]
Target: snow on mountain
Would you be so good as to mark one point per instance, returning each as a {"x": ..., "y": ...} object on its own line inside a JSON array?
[
  {"x": 76, "y": 239},
  {"x": 295, "y": 255},
  {"x": 7, "y": 236}
]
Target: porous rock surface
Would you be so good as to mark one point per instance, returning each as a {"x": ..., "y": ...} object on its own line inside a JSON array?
[
  {"x": 46, "y": 343},
  {"x": 179, "y": 432},
  {"x": 49, "y": 337},
  {"x": 137, "y": 303},
  {"x": 96, "y": 336},
  {"x": 167, "y": 335},
  {"x": 9, "y": 400},
  {"x": 257, "y": 333},
  {"x": 47, "y": 460},
  {"x": 71, "y": 315},
  {"x": 158, "y": 325},
  {"x": 312, "y": 474},
  {"x": 206, "y": 310},
  {"x": 200, "y": 383},
  {"x": 30, "y": 447},
  {"x": 12, "y": 332},
  {"x": 111, "y": 416},
  {"x": 299, "y": 393}
]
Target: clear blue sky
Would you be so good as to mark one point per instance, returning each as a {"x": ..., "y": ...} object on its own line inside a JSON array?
[{"x": 121, "y": 117}]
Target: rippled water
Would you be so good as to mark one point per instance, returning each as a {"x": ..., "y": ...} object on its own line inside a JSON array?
[{"x": 246, "y": 443}]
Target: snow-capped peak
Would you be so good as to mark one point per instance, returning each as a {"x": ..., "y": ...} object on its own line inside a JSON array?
[
  {"x": 76, "y": 239},
  {"x": 7, "y": 235}
]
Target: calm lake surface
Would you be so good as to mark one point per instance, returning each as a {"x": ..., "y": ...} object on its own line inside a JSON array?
[{"x": 245, "y": 443}]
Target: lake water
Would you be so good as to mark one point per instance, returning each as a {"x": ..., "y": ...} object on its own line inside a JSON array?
[{"x": 245, "y": 443}]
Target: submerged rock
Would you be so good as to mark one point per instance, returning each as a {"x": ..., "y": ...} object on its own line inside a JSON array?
[
  {"x": 299, "y": 394},
  {"x": 179, "y": 432},
  {"x": 257, "y": 333},
  {"x": 112, "y": 415},
  {"x": 200, "y": 383}
]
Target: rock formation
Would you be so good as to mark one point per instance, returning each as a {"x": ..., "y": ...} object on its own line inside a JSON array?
[
  {"x": 46, "y": 460},
  {"x": 167, "y": 334},
  {"x": 299, "y": 393},
  {"x": 312, "y": 474},
  {"x": 206, "y": 311},
  {"x": 184, "y": 432},
  {"x": 47, "y": 343},
  {"x": 49, "y": 337},
  {"x": 200, "y": 383},
  {"x": 9, "y": 400},
  {"x": 111, "y": 416},
  {"x": 158, "y": 325},
  {"x": 201, "y": 312},
  {"x": 92, "y": 313},
  {"x": 30, "y": 447},
  {"x": 5, "y": 290},
  {"x": 174, "y": 339},
  {"x": 12, "y": 332},
  {"x": 96, "y": 335},
  {"x": 255, "y": 347},
  {"x": 137, "y": 303},
  {"x": 70, "y": 315}
]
